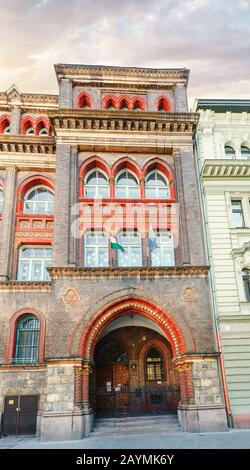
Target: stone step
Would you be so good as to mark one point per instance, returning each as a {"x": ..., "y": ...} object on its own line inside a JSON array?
[
  {"x": 139, "y": 431},
  {"x": 132, "y": 419},
  {"x": 116, "y": 424}
]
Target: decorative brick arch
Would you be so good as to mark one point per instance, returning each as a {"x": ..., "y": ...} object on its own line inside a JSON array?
[
  {"x": 158, "y": 164},
  {"x": 109, "y": 100},
  {"x": 10, "y": 350},
  {"x": 139, "y": 102},
  {"x": 4, "y": 122},
  {"x": 26, "y": 123},
  {"x": 84, "y": 100},
  {"x": 126, "y": 163},
  {"x": 90, "y": 164},
  {"x": 124, "y": 100},
  {"x": 42, "y": 122},
  {"x": 27, "y": 184},
  {"x": 163, "y": 103},
  {"x": 171, "y": 323}
]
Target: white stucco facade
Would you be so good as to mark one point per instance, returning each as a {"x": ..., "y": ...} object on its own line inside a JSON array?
[{"x": 223, "y": 165}]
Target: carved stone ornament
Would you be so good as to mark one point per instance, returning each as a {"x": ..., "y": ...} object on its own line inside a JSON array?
[
  {"x": 242, "y": 256},
  {"x": 71, "y": 296},
  {"x": 189, "y": 294}
]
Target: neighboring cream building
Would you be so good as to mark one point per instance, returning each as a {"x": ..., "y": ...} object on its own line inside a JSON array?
[{"x": 223, "y": 163}]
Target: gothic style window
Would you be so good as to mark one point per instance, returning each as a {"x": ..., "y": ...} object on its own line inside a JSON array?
[
  {"x": 110, "y": 104},
  {"x": 245, "y": 153},
  {"x": 238, "y": 216},
  {"x": 32, "y": 263},
  {"x": 126, "y": 185},
  {"x": 124, "y": 106},
  {"x": 163, "y": 255},
  {"x": 246, "y": 281},
  {"x": 154, "y": 365},
  {"x": 229, "y": 153},
  {"x": 39, "y": 200},
  {"x": 27, "y": 340},
  {"x": 96, "y": 249},
  {"x": 96, "y": 184},
  {"x": 1, "y": 200},
  {"x": 30, "y": 131},
  {"x": 156, "y": 186},
  {"x": 163, "y": 105},
  {"x": 132, "y": 256},
  {"x": 84, "y": 101}
]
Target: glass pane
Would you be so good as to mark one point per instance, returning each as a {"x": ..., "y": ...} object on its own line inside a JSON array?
[
  {"x": 37, "y": 271},
  {"x": 163, "y": 193},
  {"x": 41, "y": 194},
  {"x": 168, "y": 257},
  {"x": 122, "y": 179},
  {"x": 160, "y": 180},
  {"x": 32, "y": 195},
  {"x": 102, "y": 257},
  {"x": 103, "y": 191},
  {"x": 151, "y": 193},
  {"x": 92, "y": 178},
  {"x": 135, "y": 256},
  {"x": 90, "y": 257},
  {"x": 134, "y": 193},
  {"x": 23, "y": 271},
  {"x": 28, "y": 207},
  {"x": 121, "y": 192},
  {"x": 40, "y": 207},
  {"x": 26, "y": 253},
  {"x": 90, "y": 191}
]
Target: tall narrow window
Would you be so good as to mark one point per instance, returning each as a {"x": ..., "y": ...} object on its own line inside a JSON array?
[
  {"x": 229, "y": 153},
  {"x": 32, "y": 263},
  {"x": 154, "y": 365},
  {"x": 131, "y": 242},
  {"x": 96, "y": 184},
  {"x": 246, "y": 281},
  {"x": 27, "y": 340},
  {"x": 238, "y": 216},
  {"x": 156, "y": 186},
  {"x": 1, "y": 200},
  {"x": 245, "y": 153},
  {"x": 126, "y": 185},
  {"x": 163, "y": 255},
  {"x": 39, "y": 200},
  {"x": 96, "y": 249}
]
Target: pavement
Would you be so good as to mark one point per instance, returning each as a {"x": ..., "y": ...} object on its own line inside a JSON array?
[{"x": 233, "y": 439}]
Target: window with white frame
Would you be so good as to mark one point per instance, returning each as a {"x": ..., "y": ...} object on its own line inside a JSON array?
[
  {"x": 39, "y": 200},
  {"x": 163, "y": 255},
  {"x": 131, "y": 242},
  {"x": 156, "y": 186},
  {"x": 229, "y": 152},
  {"x": 245, "y": 153},
  {"x": 126, "y": 185},
  {"x": 1, "y": 200},
  {"x": 246, "y": 282},
  {"x": 30, "y": 131},
  {"x": 237, "y": 211},
  {"x": 96, "y": 184},
  {"x": 32, "y": 263},
  {"x": 43, "y": 131},
  {"x": 96, "y": 249}
]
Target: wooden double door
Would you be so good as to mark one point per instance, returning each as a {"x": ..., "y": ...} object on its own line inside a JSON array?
[
  {"x": 112, "y": 390},
  {"x": 20, "y": 415}
]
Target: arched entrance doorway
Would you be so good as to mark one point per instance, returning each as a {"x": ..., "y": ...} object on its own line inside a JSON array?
[{"x": 133, "y": 372}]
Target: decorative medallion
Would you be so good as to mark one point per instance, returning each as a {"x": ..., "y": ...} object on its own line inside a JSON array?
[
  {"x": 71, "y": 296},
  {"x": 189, "y": 294}
]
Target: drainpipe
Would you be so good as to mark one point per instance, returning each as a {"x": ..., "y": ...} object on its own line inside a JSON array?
[{"x": 213, "y": 295}]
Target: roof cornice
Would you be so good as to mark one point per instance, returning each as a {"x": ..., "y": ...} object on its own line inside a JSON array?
[
  {"x": 27, "y": 144},
  {"x": 223, "y": 105}
]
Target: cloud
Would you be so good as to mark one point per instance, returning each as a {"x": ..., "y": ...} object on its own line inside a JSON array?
[{"x": 210, "y": 38}]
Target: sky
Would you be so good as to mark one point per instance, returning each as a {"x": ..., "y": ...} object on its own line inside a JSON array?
[{"x": 209, "y": 37}]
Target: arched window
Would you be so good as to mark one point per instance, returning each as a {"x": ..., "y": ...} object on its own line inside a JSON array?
[
  {"x": 6, "y": 130},
  {"x": 157, "y": 186},
  {"x": 131, "y": 242},
  {"x": 39, "y": 200},
  {"x": 124, "y": 105},
  {"x": 1, "y": 200},
  {"x": 30, "y": 131},
  {"x": 96, "y": 184},
  {"x": 32, "y": 263},
  {"x": 163, "y": 254},
  {"x": 126, "y": 185},
  {"x": 163, "y": 105},
  {"x": 245, "y": 153},
  {"x": 154, "y": 365},
  {"x": 96, "y": 249},
  {"x": 43, "y": 131},
  {"x": 110, "y": 104},
  {"x": 27, "y": 340},
  {"x": 84, "y": 101},
  {"x": 246, "y": 281},
  {"x": 138, "y": 105},
  {"x": 229, "y": 153}
]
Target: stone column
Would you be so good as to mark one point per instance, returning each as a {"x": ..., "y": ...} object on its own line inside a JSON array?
[
  {"x": 64, "y": 252},
  {"x": 8, "y": 224},
  {"x": 66, "y": 93},
  {"x": 15, "y": 120}
]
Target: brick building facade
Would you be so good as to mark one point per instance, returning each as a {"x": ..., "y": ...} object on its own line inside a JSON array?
[{"x": 117, "y": 141}]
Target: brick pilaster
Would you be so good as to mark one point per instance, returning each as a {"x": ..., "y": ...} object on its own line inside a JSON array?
[{"x": 8, "y": 224}]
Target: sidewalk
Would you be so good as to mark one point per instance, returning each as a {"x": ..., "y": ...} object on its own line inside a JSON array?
[{"x": 234, "y": 439}]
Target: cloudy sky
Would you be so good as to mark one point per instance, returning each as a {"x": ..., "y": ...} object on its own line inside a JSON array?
[{"x": 210, "y": 37}]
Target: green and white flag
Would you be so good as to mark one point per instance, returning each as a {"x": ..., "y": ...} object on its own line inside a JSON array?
[{"x": 115, "y": 245}]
